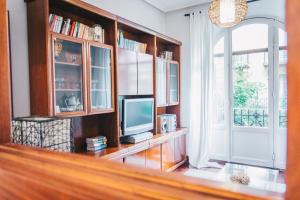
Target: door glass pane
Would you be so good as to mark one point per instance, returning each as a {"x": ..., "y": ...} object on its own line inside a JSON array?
[
  {"x": 173, "y": 83},
  {"x": 219, "y": 83},
  {"x": 100, "y": 63},
  {"x": 250, "y": 76},
  {"x": 282, "y": 78},
  {"x": 68, "y": 76},
  {"x": 161, "y": 82}
]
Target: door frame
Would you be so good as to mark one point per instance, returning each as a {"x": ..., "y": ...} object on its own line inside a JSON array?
[{"x": 273, "y": 25}]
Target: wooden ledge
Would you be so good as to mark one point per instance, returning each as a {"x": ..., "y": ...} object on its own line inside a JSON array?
[
  {"x": 35, "y": 173},
  {"x": 124, "y": 150}
]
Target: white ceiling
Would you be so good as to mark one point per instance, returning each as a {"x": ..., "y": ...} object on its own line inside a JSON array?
[{"x": 170, "y": 5}]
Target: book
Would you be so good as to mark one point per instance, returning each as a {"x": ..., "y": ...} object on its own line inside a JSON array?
[
  {"x": 94, "y": 145},
  {"x": 51, "y": 16},
  {"x": 72, "y": 28},
  {"x": 53, "y": 23},
  {"x": 96, "y": 139},
  {"x": 68, "y": 25},
  {"x": 97, "y": 148}
]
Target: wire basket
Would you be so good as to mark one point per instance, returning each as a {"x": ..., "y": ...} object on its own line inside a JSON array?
[{"x": 48, "y": 133}]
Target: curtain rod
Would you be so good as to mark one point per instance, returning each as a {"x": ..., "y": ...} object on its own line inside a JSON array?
[{"x": 249, "y": 1}]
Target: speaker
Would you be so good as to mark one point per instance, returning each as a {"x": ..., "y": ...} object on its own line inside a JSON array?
[{"x": 161, "y": 124}]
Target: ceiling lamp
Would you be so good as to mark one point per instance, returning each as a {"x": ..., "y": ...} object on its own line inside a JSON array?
[{"x": 227, "y": 13}]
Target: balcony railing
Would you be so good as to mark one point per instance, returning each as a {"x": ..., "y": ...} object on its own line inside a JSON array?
[{"x": 256, "y": 117}]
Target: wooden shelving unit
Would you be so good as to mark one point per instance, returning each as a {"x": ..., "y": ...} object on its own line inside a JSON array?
[{"x": 93, "y": 119}]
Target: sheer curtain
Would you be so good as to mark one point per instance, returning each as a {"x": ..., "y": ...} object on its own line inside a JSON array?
[{"x": 201, "y": 89}]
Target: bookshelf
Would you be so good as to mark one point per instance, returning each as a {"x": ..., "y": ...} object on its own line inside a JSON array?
[{"x": 68, "y": 70}]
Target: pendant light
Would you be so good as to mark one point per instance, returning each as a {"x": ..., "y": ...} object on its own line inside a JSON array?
[{"x": 227, "y": 13}]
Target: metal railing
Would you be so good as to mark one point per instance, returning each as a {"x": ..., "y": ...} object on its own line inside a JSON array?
[{"x": 256, "y": 117}]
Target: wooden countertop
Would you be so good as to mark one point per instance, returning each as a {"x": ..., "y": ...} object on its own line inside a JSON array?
[
  {"x": 31, "y": 173},
  {"x": 125, "y": 149}
]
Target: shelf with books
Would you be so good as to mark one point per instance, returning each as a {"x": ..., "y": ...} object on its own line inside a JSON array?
[{"x": 76, "y": 29}]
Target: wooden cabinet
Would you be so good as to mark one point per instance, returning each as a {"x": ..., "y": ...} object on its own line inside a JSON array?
[
  {"x": 100, "y": 78},
  {"x": 180, "y": 148},
  {"x": 135, "y": 73},
  {"x": 145, "y": 74},
  {"x": 153, "y": 157},
  {"x": 168, "y": 157},
  {"x": 173, "y": 83},
  {"x": 69, "y": 76},
  {"x": 127, "y": 72},
  {"x": 161, "y": 82},
  {"x": 167, "y": 82},
  {"x": 137, "y": 159},
  {"x": 82, "y": 77}
]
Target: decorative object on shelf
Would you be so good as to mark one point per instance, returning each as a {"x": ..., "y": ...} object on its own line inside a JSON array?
[
  {"x": 58, "y": 48},
  {"x": 168, "y": 55},
  {"x": 60, "y": 83},
  {"x": 72, "y": 102},
  {"x": 48, "y": 133},
  {"x": 98, "y": 35},
  {"x": 73, "y": 58},
  {"x": 240, "y": 178},
  {"x": 227, "y": 13},
  {"x": 94, "y": 84},
  {"x": 96, "y": 143}
]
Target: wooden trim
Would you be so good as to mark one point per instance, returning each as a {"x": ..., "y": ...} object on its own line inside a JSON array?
[
  {"x": 293, "y": 74},
  {"x": 129, "y": 149},
  {"x": 168, "y": 39},
  {"x": 5, "y": 88},
  {"x": 135, "y": 25},
  {"x": 57, "y": 174},
  {"x": 176, "y": 166}
]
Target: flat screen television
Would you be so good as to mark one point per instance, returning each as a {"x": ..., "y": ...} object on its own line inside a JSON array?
[{"x": 137, "y": 116}]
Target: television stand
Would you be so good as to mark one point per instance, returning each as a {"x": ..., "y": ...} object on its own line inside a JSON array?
[{"x": 137, "y": 138}]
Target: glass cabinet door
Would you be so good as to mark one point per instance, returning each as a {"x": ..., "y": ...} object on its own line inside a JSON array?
[
  {"x": 173, "y": 83},
  {"x": 100, "y": 78},
  {"x": 68, "y": 68},
  {"x": 161, "y": 82}
]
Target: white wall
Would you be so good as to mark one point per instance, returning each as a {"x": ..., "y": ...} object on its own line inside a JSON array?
[
  {"x": 134, "y": 10},
  {"x": 19, "y": 56},
  {"x": 177, "y": 26}
]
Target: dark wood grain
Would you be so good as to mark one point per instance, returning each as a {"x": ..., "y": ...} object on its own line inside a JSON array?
[
  {"x": 5, "y": 88},
  {"x": 39, "y": 43}
]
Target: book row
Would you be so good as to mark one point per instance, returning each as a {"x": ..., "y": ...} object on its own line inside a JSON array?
[{"x": 57, "y": 24}]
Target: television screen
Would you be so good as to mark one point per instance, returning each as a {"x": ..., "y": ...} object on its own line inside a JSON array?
[{"x": 138, "y": 115}]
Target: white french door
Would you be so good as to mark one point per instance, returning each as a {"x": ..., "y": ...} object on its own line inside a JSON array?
[{"x": 250, "y": 89}]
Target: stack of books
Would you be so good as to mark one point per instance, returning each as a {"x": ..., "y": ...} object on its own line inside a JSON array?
[
  {"x": 71, "y": 28},
  {"x": 96, "y": 143},
  {"x": 168, "y": 55},
  {"x": 130, "y": 44}
]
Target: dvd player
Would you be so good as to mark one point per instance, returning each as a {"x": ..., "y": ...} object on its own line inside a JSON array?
[{"x": 137, "y": 138}]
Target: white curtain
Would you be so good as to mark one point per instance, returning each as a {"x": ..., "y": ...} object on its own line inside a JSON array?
[{"x": 201, "y": 89}]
